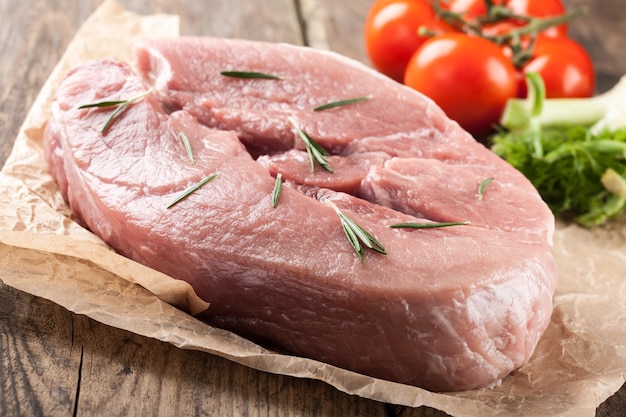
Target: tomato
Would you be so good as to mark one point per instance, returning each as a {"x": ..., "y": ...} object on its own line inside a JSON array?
[
  {"x": 471, "y": 9},
  {"x": 467, "y": 76},
  {"x": 565, "y": 66},
  {"x": 391, "y": 33}
]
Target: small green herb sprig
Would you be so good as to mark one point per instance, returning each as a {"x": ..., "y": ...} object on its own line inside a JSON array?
[
  {"x": 435, "y": 225},
  {"x": 192, "y": 190},
  {"x": 278, "y": 189},
  {"x": 341, "y": 103},
  {"x": 483, "y": 186},
  {"x": 185, "y": 139},
  {"x": 250, "y": 75},
  {"x": 315, "y": 151},
  {"x": 358, "y": 237},
  {"x": 120, "y": 106}
]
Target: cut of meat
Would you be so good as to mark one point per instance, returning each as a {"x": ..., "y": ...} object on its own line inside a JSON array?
[
  {"x": 295, "y": 166},
  {"x": 446, "y": 308}
]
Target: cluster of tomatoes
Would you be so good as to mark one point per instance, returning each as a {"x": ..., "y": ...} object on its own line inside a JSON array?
[{"x": 470, "y": 56}]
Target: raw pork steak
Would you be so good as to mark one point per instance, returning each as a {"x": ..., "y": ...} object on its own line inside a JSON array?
[{"x": 446, "y": 308}]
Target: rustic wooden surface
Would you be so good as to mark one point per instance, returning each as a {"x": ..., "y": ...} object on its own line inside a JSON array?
[{"x": 56, "y": 363}]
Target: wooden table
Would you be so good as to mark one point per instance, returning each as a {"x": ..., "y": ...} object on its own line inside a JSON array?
[{"x": 56, "y": 363}]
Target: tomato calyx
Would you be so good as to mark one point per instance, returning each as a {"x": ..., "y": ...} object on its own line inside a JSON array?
[
  {"x": 501, "y": 25},
  {"x": 470, "y": 56}
]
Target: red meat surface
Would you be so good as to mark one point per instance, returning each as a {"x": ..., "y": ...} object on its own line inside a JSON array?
[{"x": 446, "y": 309}]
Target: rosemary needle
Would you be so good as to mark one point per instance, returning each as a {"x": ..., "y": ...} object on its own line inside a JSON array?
[
  {"x": 482, "y": 187},
  {"x": 339, "y": 103},
  {"x": 250, "y": 74},
  {"x": 357, "y": 236},
  {"x": 314, "y": 150},
  {"x": 121, "y": 105},
  {"x": 278, "y": 188},
  {"x": 426, "y": 225},
  {"x": 187, "y": 145},
  {"x": 192, "y": 190}
]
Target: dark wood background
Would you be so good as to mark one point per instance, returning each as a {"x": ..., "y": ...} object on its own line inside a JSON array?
[{"x": 56, "y": 363}]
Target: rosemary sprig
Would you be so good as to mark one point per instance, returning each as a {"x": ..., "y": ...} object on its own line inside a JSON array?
[
  {"x": 427, "y": 225},
  {"x": 357, "y": 236},
  {"x": 315, "y": 151},
  {"x": 187, "y": 145},
  {"x": 278, "y": 188},
  {"x": 192, "y": 190},
  {"x": 339, "y": 103},
  {"x": 121, "y": 105},
  {"x": 482, "y": 187},
  {"x": 250, "y": 74}
]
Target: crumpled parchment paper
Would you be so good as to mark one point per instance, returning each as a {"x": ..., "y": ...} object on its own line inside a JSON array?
[{"x": 580, "y": 361}]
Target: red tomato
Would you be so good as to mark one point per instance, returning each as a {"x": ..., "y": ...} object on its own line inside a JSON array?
[
  {"x": 467, "y": 76},
  {"x": 564, "y": 65},
  {"x": 391, "y": 33},
  {"x": 472, "y": 9}
]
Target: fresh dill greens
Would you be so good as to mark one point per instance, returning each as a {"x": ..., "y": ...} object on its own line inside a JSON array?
[
  {"x": 278, "y": 188},
  {"x": 572, "y": 150},
  {"x": 357, "y": 236},
  {"x": 187, "y": 145},
  {"x": 192, "y": 190},
  {"x": 482, "y": 187},
  {"x": 315, "y": 151},
  {"x": 120, "y": 106},
  {"x": 427, "y": 225},
  {"x": 250, "y": 75},
  {"x": 339, "y": 103},
  {"x": 569, "y": 169}
]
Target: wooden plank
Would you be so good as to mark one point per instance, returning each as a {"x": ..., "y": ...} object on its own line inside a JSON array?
[
  {"x": 344, "y": 22},
  {"x": 271, "y": 20},
  {"x": 38, "y": 356},
  {"x": 601, "y": 31},
  {"x": 33, "y": 36}
]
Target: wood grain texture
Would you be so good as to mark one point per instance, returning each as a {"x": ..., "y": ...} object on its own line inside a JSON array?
[
  {"x": 602, "y": 30},
  {"x": 56, "y": 363}
]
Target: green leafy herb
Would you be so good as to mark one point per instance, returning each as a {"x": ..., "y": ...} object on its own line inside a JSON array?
[
  {"x": 482, "y": 187},
  {"x": 120, "y": 106},
  {"x": 250, "y": 74},
  {"x": 572, "y": 150},
  {"x": 340, "y": 103},
  {"x": 278, "y": 188},
  {"x": 357, "y": 236},
  {"x": 569, "y": 174},
  {"x": 192, "y": 190},
  {"x": 427, "y": 225},
  {"x": 187, "y": 145},
  {"x": 314, "y": 149}
]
